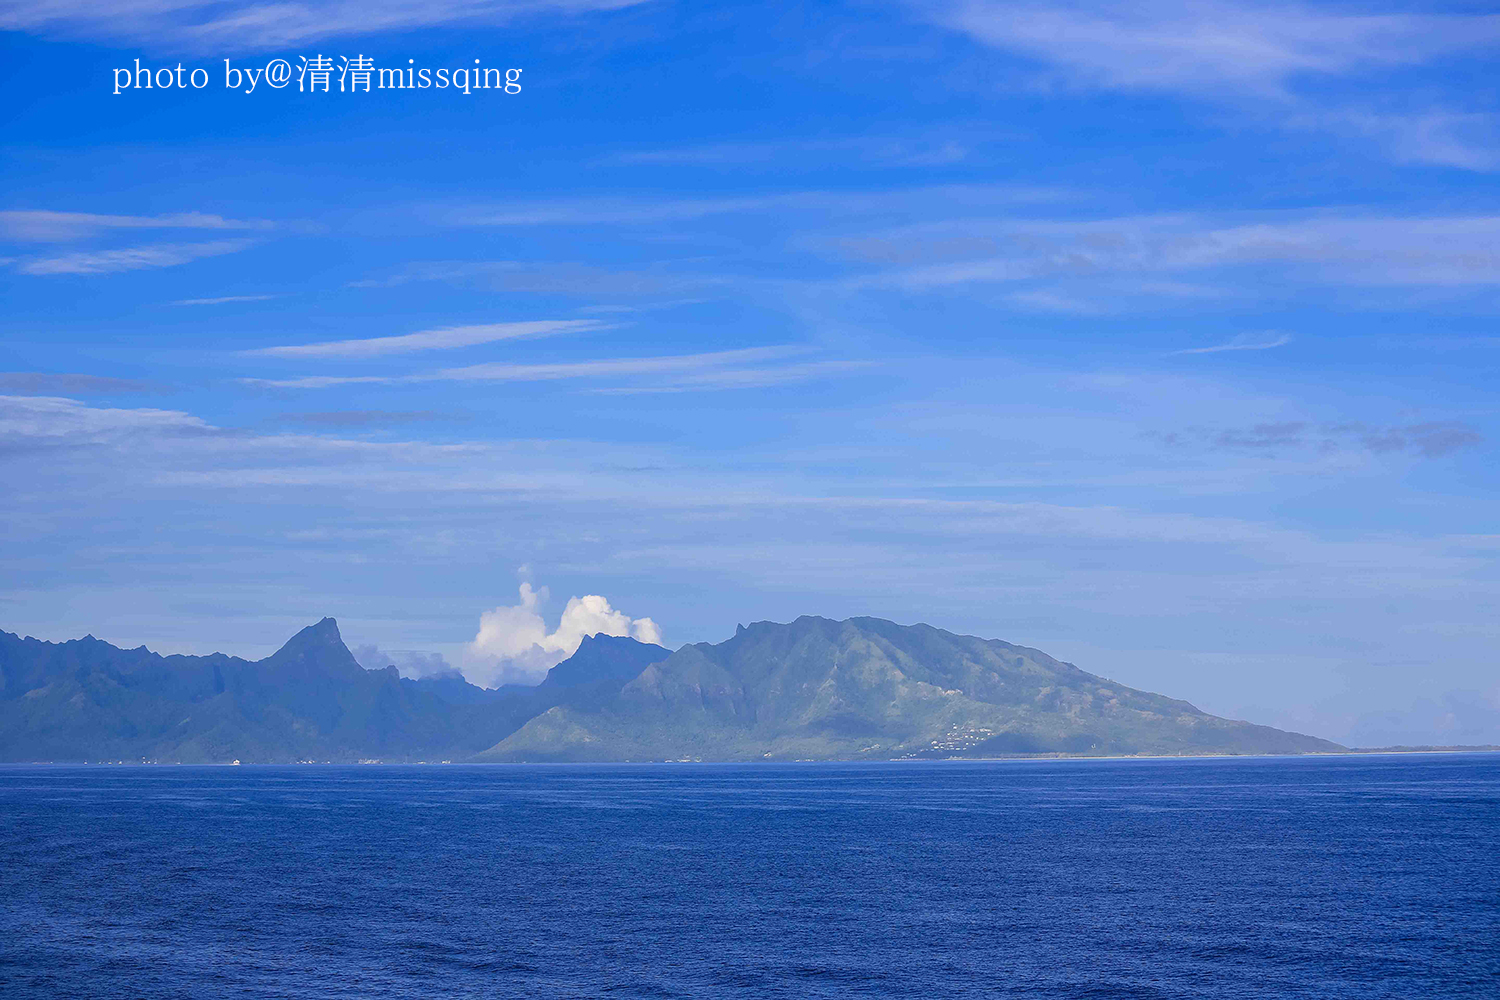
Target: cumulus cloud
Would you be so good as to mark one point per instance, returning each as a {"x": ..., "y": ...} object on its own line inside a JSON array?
[
  {"x": 513, "y": 645},
  {"x": 408, "y": 662}
]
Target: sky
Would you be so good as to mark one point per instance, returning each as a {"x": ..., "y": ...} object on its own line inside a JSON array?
[{"x": 1160, "y": 337}]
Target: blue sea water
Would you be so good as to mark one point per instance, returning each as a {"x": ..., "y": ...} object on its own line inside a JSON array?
[{"x": 1357, "y": 877}]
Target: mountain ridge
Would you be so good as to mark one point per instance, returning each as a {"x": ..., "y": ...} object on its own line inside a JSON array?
[
  {"x": 867, "y": 688},
  {"x": 85, "y": 699},
  {"x": 858, "y": 689}
]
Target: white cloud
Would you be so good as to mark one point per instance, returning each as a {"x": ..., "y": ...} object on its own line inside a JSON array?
[
  {"x": 1242, "y": 342},
  {"x": 1199, "y": 49},
  {"x": 1371, "y": 250},
  {"x": 681, "y": 364},
  {"x": 1249, "y": 53},
  {"x": 429, "y": 340},
  {"x": 57, "y": 227},
  {"x": 570, "y": 280},
  {"x": 744, "y": 368},
  {"x": 747, "y": 378},
  {"x": 798, "y": 205},
  {"x": 222, "y": 299},
  {"x": 207, "y": 26},
  {"x": 1444, "y": 137},
  {"x": 850, "y": 514},
  {"x": 1046, "y": 300},
  {"x": 131, "y": 258},
  {"x": 411, "y": 663},
  {"x": 37, "y": 420},
  {"x": 854, "y": 152},
  {"x": 514, "y": 645},
  {"x": 71, "y": 383},
  {"x": 611, "y": 211}
]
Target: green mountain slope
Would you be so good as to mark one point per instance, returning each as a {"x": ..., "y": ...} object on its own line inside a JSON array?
[
  {"x": 88, "y": 700},
  {"x": 871, "y": 689}
]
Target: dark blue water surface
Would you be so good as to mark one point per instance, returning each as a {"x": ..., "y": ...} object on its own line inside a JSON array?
[{"x": 1311, "y": 877}]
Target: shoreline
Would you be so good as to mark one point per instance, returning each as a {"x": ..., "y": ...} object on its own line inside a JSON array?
[{"x": 1037, "y": 758}]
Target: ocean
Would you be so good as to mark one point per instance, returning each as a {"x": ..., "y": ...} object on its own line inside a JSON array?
[{"x": 1319, "y": 877}]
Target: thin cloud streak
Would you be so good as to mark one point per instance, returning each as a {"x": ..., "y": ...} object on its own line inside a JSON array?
[
  {"x": 1241, "y": 343},
  {"x": 748, "y": 378},
  {"x": 431, "y": 340},
  {"x": 1236, "y": 49},
  {"x": 572, "y": 280},
  {"x": 197, "y": 453},
  {"x": 671, "y": 364},
  {"x": 206, "y": 26},
  {"x": 648, "y": 210},
  {"x": 72, "y": 383},
  {"x": 1269, "y": 57},
  {"x": 855, "y": 152},
  {"x": 223, "y": 299},
  {"x": 131, "y": 258},
  {"x": 58, "y": 227},
  {"x": 709, "y": 370},
  {"x": 1392, "y": 251}
]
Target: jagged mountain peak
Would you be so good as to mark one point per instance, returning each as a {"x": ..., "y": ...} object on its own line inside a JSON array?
[
  {"x": 604, "y": 658},
  {"x": 320, "y": 636},
  {"x": 317, "y": 650}
]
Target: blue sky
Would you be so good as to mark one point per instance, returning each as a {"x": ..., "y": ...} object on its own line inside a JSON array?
[{"x": 1161, "y": 339}]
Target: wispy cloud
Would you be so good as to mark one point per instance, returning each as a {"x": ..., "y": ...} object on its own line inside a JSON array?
[
  {"x": 1048, "y": 300},
  {"x": 1212, "y": 48},
  {"x": 131, "y": 258},
  {"x": 1430, "y": 439},
  {"x": 607, "y": 211},
  {"x": 431, "y": 340},
  {"x": 223, "y": 299},
  {"x": 747, "y": 378},
  {"x": 58, "y": 227},
  {"x": 70, "y": 384},
  {"x": 851, "y": 152},
  {"x": 572, "y": 280},
  {"x": 1248, "y": 54},
  {"x": 208, "y": 26},
  {"x": 1464, "y": 139},
  {"x": 735, "y": 369},
  {"x": 1452, "y": 250},
  {"x": 651, "y": 209},
  {"x": 362, "y": 418},
  {"x": 67, "y": 422},
  {"x": 682, "y": 366},
  {"x": 1243, "y": 342}
]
